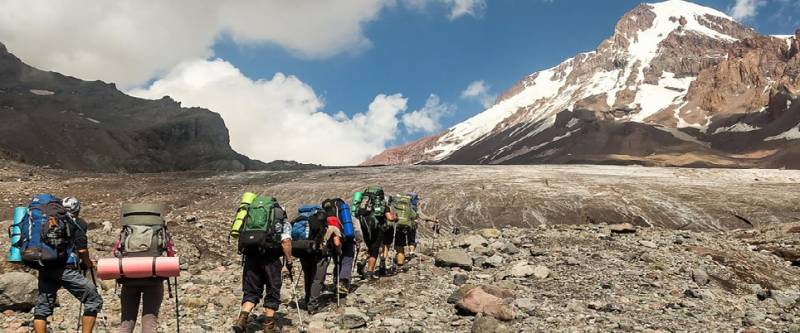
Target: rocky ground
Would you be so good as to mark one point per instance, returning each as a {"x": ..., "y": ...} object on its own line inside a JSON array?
[{"x": 685, "y": 261}]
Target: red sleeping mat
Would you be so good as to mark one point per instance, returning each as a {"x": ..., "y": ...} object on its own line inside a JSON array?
[{"x": 138, "y": 268}]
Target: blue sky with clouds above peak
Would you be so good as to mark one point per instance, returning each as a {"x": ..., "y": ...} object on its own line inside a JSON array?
[{"x": 366, "y": 74}]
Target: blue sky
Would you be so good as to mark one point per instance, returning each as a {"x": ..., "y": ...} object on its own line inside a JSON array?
[{"x": 418, "y": 53}]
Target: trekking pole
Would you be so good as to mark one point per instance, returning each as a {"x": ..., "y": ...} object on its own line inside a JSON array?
[
  {"x": 394, "y": 257},
  {"x": 177, "y": 306},
  {"x": 94, "y": 282},
  {"x": 337, "y": 261},
  {"x": 294, "y": 295}
]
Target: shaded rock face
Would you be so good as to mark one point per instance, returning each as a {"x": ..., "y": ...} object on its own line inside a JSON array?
[
  {"x": 50, "y": 119},
  {"x": 677, "y": 84},
  {"x": 17, "y": 291}
]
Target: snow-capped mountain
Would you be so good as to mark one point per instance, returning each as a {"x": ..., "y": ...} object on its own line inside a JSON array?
[{"x": 676, "y": 84}]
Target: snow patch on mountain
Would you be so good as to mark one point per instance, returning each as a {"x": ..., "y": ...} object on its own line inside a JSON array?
[
  {"x": 737, "y": 128},
  {"x": 792, "y": 134},
  {"x": 545, "y": 85},
  {"x": 654, "y": 98}
]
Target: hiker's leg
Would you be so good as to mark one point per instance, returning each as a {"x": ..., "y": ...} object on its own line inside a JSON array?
[
  {"x": 400, "y": 245},
  {"x": 412, "y": 241},
  {"x": 348, "y": 258},
  {"x": 309, "y": 266},
  {"x": 49, "y": 283},
  {"x": 319, "y": 278},
  {"x": 152, "y": 296},
  {"x": 272, "y": 299},
  {"x": 81, "y": 288},
  {"x": 129, "y": 301},
  {"x": 252, "y": 283}
]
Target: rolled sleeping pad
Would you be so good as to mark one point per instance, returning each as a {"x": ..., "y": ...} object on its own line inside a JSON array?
[
  {"x": 347, "y": 221},
  {"x": 138, "y": 267},
  {"x": 14, "y": 253},
  {"x": 241, "y": 212},
  {"x": 357, "y": 198}
]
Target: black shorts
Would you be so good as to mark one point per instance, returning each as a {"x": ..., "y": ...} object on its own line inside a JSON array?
[
  {"x": 402, "y": 237},
  {"x": 373, "y": 238}
]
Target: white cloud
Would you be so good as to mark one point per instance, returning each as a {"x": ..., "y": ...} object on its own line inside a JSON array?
[
  {"x": 466, "y": 7},
  {"x": 132, "y": 41},
  {"x": 746, "y": 9},
  {"x": 456, "y": 8},
  {"x": 427, "y": 119},
  {"x": 280, "y": 118},
  {"x": 479, "y": 91}
]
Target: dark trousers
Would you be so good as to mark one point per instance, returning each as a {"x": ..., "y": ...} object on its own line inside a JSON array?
[
  {"x": 348, "y": 258},
  {"x": 260, "y": 271},
  {"x": 150, "y": 297},
  {"x": 315, "y": 268}
]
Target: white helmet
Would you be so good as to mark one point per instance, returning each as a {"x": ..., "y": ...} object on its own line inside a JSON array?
[{"x": 71, "y": 204}]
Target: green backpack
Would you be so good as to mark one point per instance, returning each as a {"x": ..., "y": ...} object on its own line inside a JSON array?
[
  {"x": 261, "y": 228},
  {"x": 373, "y": 203},
  {"x": 403, "y": 210}
]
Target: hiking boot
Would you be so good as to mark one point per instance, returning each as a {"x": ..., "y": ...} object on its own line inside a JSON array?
[
  {"x": 343, "y": 290},
  {"x": 391, "y": 271},
  {"x": 382, "y": 271},
  {"x": 371, "y": 276},
  {"x": 240, "y": 326},
  {"x": 270, "y": 326}
]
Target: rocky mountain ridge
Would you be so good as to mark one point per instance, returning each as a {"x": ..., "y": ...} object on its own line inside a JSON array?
[
  {"x": 677, "y": 84},
  {"x": 50, "y": 119}
]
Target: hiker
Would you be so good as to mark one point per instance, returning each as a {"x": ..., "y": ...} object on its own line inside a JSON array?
[
  {"x": 370, "y": 209},
  {"x": 348, "y": 258},
  {"x": 144, "y": 234},
  {"x": 418, "y": 216},
  {"x": 264, "y": 237},
  {"x": 402, "y": 221},
  {"x": 66, "y": 238},
  {"x": 308, "y": 232},
  {"x": 349, "y": 233}
]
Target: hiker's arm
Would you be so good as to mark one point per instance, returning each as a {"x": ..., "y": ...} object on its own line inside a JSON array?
[
  {"x": 286, "y": 246},
  {"x": 81, "y": 243}
]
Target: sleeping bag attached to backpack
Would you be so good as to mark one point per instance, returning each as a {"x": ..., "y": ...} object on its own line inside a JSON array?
[
  {"x": 300, "y": 225},
  {"x": 315, "y": 228},
  {"x": 262, "y": 227},
  {"x": 404, "y": 212},
  {"x": 144, "y": 235},
  {"x": 46, "y": 239},
  {"x": 339, "y": 208},
  {"x": 244, "y": 204}
]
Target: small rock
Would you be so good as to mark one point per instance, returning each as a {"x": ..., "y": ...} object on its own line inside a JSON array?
[
  {"x": 485, "y": 324},
  {"x": 490, "y": 233},
  {"x": 785, "y": 299},
  {"x": 753, "y": 318},
  {"x": 352, "y": 319},
  {"x": 494, "y": 261},
  {"x": 479, "y": 300},
  {"x": 700, "y": 277},
  {"x": 522, "y": 269},
  {"x": 453, "y": 258},
  {"x": 648, "y": 244},
  {"x": 393, "y": 322},
  {"x": 471, "y": 241},
  {"x": 541, "y": 272},
  {"x": 692, "y": 293},
  {"x": 460, "y": 279},
  {"x": 622, "y": 228}
]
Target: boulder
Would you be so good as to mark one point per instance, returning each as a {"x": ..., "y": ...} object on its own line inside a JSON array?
[
  {"x": 453, "y": 258},
  {"x": 17, "y": 291},
  {"x": 541, "y": 272},
  {"x": 479, "y": 300},
  {"x": 785, "y": 299},
  {"x": 494, "y": 261}
]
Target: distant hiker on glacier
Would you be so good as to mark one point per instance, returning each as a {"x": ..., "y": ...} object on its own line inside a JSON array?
[
  {"x": 264, "y": 237},
  {"x": 56, "y": 245},
  {"x": 402, "y": 221}
]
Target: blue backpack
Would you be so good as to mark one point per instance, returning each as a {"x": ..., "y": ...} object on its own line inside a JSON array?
[
  {"x": 300, "y": 228},
  {"x": 46, "y": 239},
  {"x": 414, "y": 200}
]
